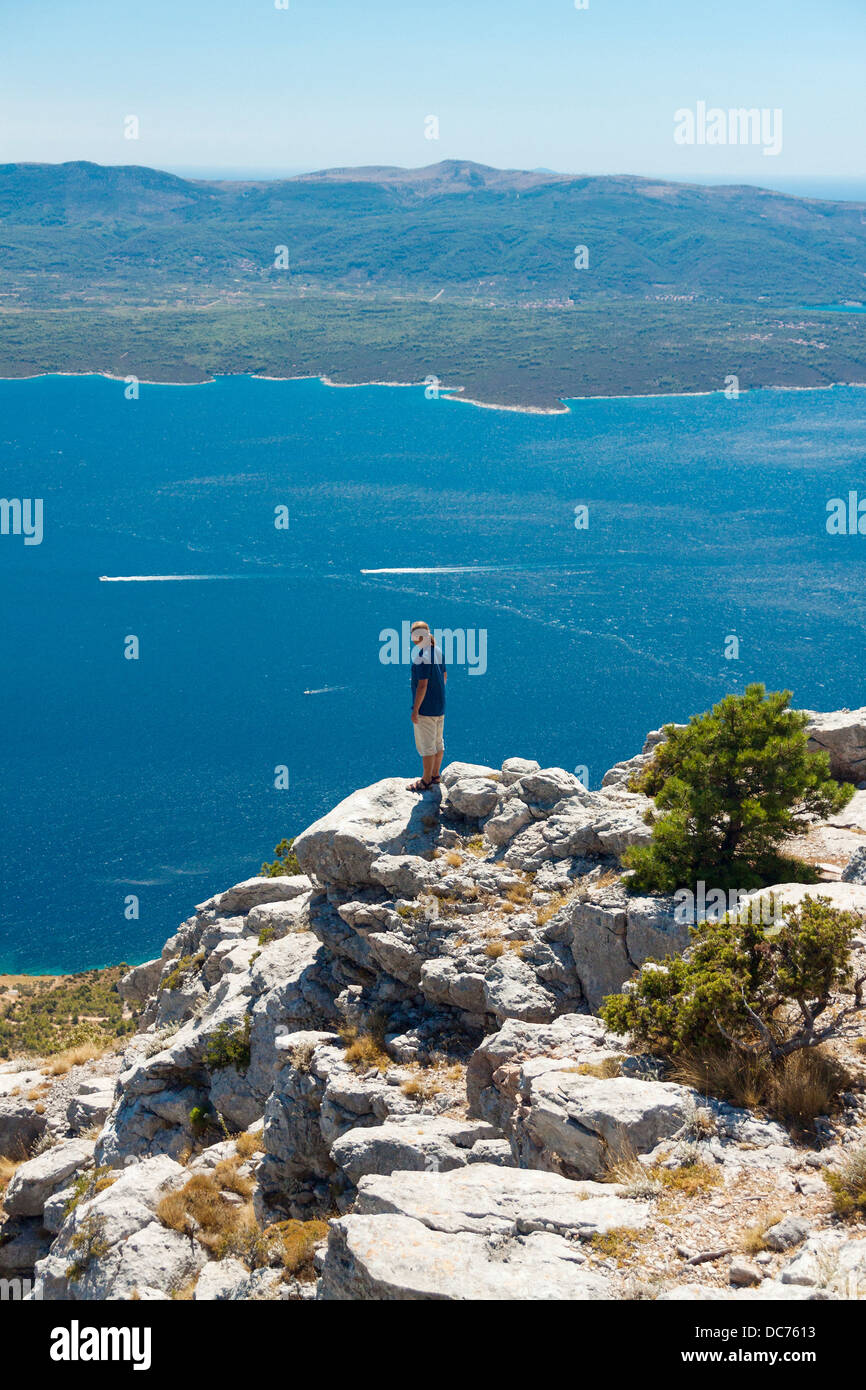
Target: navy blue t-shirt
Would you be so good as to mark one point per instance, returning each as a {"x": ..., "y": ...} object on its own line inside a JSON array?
[{"x": 428, "y": 665}]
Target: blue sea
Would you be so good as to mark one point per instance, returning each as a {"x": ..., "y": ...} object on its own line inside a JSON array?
[{"x": 155, "y": 777}]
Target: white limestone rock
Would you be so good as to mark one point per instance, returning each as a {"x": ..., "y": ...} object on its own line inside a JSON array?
[
  {"x": 37, "y": 1179},
  {"x": 386, "y": 818}
]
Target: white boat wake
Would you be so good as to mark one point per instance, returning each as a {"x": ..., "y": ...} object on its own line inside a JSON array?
[
  {"x": 441, "y": 569},
  {"x": 170, "y": 578}
]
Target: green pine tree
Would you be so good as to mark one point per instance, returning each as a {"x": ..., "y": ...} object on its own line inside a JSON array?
[{"x": 732, "y": 786}]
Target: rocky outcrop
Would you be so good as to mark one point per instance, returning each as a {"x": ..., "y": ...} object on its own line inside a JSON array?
[
  {"x": 21, "y": 1124},
  {"x": 113, "y": 1246},
  {"x": 569, "y": 1099},
  {"x": 842, "y": 735},
  {"x": 428, "y": 1143},
  {"x": 229, "y": 988},
  {"x": 472, "y": 1233},
  {"x": 405, "y": 1034},
  {"x": 386, "y": 818},
  {"x": 35, "y": 1181},
  {"x": 611, "y": 934}
]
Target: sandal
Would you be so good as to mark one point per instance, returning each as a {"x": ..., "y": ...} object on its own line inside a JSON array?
[{"x": 419, "y": 786}]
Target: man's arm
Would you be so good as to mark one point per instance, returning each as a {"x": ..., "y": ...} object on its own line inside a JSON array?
[{"x": 420, "y": 692}]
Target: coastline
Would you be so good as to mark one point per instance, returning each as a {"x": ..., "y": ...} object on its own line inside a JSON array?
[{"x": 448, "y": 393}]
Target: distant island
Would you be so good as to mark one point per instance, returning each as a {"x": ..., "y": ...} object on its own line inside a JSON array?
[{"x": 507, "y": 287}]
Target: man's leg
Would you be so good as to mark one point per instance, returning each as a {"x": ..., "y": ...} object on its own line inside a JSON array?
[
  {"x": 421, "y": 729},
  {"x": 437, "y": 760},
  {"x": 429, "y": 763}
]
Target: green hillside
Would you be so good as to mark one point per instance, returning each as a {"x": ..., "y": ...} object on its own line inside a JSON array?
[{"x": 688, "y": 283}]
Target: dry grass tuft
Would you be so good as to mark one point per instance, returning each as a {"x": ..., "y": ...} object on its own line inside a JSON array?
[
  {"x": 366, "y": 1049},
  {"x": 248, "y": 1144},
  {"x": 549, "y": 910},
  {"x": 754, "y": 1236},
  {"x": 691, "y": 1180},
  {"x": 7, "y": 1171},
  {"x": 604, "y": 1070},
  {"x": 619, "y": 1243},
  {"x": 200, "y": 1209},
  {"x": 494, "y": 949},
  {"x": 294, "y": 1243},
  {"x": 795, "y": 1090},
  {"x": 636, "y": 1180},
  {"x": 62, "y": 1062},
  {"x": 432, "y": 1080},
  {"x": 228, "y": 1178},
  {"x": 847, "y": 1182},
  {"x": 184, "y": 1293}
]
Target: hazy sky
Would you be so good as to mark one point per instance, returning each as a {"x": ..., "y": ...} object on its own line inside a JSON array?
[{"x": 243, "y": 85}]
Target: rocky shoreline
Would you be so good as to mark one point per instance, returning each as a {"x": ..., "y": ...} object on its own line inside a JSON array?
[{"x": 384, "y": 1078}]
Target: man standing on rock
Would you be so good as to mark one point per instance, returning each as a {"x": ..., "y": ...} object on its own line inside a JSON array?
[{"x": 428, "y": 704}]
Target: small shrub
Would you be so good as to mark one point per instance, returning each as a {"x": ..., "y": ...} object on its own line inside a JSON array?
[
  {"x": 200, "y": 1118},
  {"x": 766, "y": 992},
  {"x": 87, "y": 1244},
  {"x": 494, "y": 949},
  {"x": 286, "y": 862},
  {"x": 183, "y": 968},
  {"x": 229, "y": 1048},
  {"x": 267, "y": 934},
  {"x": 88, "y": 1184},
  {"x": 848, "y": 1184}
]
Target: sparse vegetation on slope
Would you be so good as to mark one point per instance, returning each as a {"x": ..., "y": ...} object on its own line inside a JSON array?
[{"x": 43, "y": 1015}]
